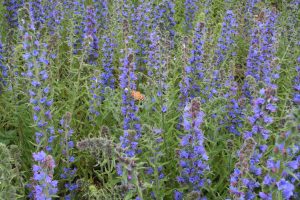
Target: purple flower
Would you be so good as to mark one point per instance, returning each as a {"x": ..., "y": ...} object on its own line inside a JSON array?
[
  {"x": 193, "y": 157},
  {"x": 43, "y": 187},
  {"x": 12, "y": 7},
  {"x": 225, "y": 41},
  {"x": 191, "y": 8},
  {"x": 286, "y": 187},
  {"x": 91, "y": 37},
  {"x": 40, "y": 156},
  {"x": 194, "y": 71}
]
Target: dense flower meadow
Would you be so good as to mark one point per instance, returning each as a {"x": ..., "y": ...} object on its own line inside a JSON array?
[{"x": 150, "y": 99}]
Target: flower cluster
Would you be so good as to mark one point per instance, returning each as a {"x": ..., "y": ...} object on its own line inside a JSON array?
[
  {"x": 225, "y": 41},
  {"x": 261, "y": 63},
  {"x": 155, "y": 169},
  {"x": 157, "y": 70},
  {"x": 92, "y": 45},
  {"x": 35, "y": 57},
  {"x": 104, "y": 79},
  {"x": 90, "y": 35},
  {"x": 194, "y": 71},
  {"x": 53, "y": 16},
  {"x": 67, "y": 144},
  {"x": 163, "y": 18},
  {"x": 191, "y": 8},
  {"x": 284, "y": 163},
  {"x": 268, "y": 49},
  {"x": 235, "y": 116},
  {"x": 38, "y": 13},
  {"x": 141, "y": 21},
  {"x": 107, "y": 77},
  {"x": 3, "y": 68},
  {"x": 78, "y": 9},
  {"x": 296, "y": 97},
  {"x": 237, "y": 178},
  {"x": 102, "y": 13},
  {"x": 131, "y": 126},
  {"x": 249, "y": 13},
  {"x": 193, "y": 156},
  {"x": 12, "y": 7},
  {"x": 44, "y": 187}
]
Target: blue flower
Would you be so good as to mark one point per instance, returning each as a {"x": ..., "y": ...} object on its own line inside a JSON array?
[
  {"x": 286, "y": 187},
  {"x": 40, "y": 156}
]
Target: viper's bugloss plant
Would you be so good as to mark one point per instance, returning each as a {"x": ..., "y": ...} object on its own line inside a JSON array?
[
  {"x": 141, "y": 21},
  {"x": 163, "y": 18},
  {"x": 194, "y": 72},
  {"x": 191, "y": 8},
  {"x": 170, "y": 99},
  {"x": 90, "y": 36},
  {"x": 43, "y": 185},
  {"x": 131, "y": 125},
  {"x": 53, "y": 13},
  {"x": 79, "y": 20},
  {"x": 37, "y": 75},
  {"x": 69, "y": 169},
  {"x": 12, "y": 7},
  {"x": 226, "y": 41},
  {"x": 193, "y": 157},
  {"x": 158, "y": 72},
  {"x": 102, "y": 13},
  {"x": 296, "y": 95},
  {"x": 4, "y": 68}
]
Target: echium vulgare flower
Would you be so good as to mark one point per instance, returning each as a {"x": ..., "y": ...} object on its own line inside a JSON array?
[
  {"x": 37, "y": 63},
  {"x": 262, "y": 108},
  {"x": 141, "y": 21},
  {"x": 249, "y": 15},
  {"x": 67, "y": 144},
  {"x": 194, "y": 70},
  {"x": 157, "y": 71},
  {"x": 226, "y": 41},
  {"x": 191, "y": 8},
  {"x": 237, "y": 178},
  {"x": 163, "y": 17},
  {"x": 43, "y": 186},
  {"x": 90, "y": 36},
  {"x": 53, "y": 15},
  {"x": 235, "y": 116},
  {"x": 108, "y": 47},
  {"x": 193, "y": 156},
  {"x": 268, "y": 49},
  {"x": 155, "y": 168},
  {"x": 92, "y": 48},
  {"x": 253, "y": 62},
  {"x": 291, "y": 29},
  {"x": 78, "y": 17},
  {"x": 283, "y": 164},
  {"x": 261, "y": 61},
  {"x": 106, "y": 78},
  {"x": 102, "y": 13},
  {"x": 131, "y": 125},
  {"x": 296, "y": 96},
  {"x": 3, "y": 68},
  {"x": 250, "y": 5},
  {"x": 12, "y": 7},
  {"x": 38, "y": 13}
]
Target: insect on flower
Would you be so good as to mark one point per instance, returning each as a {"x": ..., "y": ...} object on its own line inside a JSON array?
[{"x": 136, "y": 95}]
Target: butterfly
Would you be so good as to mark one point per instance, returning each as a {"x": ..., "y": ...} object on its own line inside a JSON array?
[{"x": 138, "y": 96}]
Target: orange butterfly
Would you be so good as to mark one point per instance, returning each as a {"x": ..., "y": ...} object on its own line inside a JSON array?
[{"x": 138, "y": 96}]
